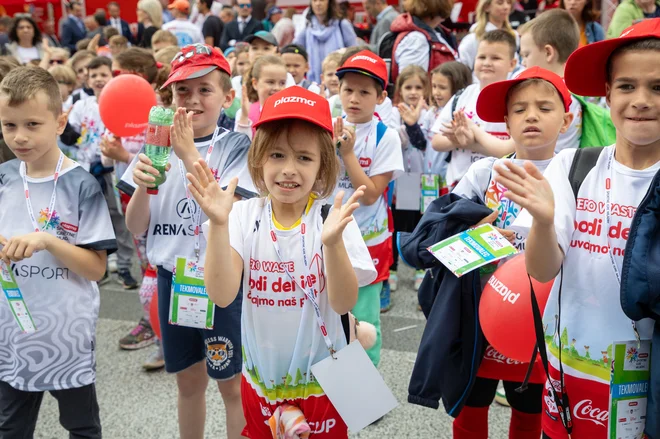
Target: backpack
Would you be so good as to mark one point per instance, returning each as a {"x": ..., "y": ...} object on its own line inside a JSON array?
[
  {"x": 597, "y": 126},
  {"x": 583, "y": 162}
]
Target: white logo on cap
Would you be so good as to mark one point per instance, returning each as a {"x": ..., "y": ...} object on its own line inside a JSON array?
[
  {"x": 294, "y": 99},
  {"x": 625, "y": 33},
  {"x": 365, "y": 58}
]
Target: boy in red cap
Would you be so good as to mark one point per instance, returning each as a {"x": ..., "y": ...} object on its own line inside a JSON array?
[
  {"x": 579, "y": 217},
  {"x": 535, "y": 109},
  {"x": 370, "y": 155},
  {"x": 293, "y": 254},
  {"x": 200, "y": 81}
]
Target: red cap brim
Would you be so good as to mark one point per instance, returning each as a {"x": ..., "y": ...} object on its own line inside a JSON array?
[
  {"x": 188, "y": 72},
  {"x": 299, "y": 116}
]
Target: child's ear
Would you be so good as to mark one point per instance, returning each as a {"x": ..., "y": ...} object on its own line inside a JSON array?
[
  {"x": 608, "y": 91},
  {"x": 229, "y": 98},
  {"x": 514, "y": 63},
  {"x": 254, "y": 83},
  {"x": 550, "y": 53},
  {"x": 506, "y": 122},
  {"x": 382, "y": 97},
  {"x": 568, "y": 119}
]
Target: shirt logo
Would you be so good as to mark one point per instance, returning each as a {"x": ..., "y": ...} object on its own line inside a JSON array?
[
  {"x": 43, "y": 217},
  {"x": 183, "y": 211}
]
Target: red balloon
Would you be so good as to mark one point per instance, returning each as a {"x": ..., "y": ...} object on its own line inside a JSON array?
[
  {"x": 153, "y": 315},
  {"x": 124, "y": 105},
  {"x": 505, "y": 311}
]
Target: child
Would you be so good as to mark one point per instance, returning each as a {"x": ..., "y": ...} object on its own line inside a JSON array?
[
  {"x": 170, "y": 220},
  {"x": 329, "y": 78},
  {"x": 370, "y": 155},
  {"x": 162, "y": 39},
  {"x": 85, "y": 129},
  {"x": 242, "y": 51},
  {"x": 536, "y": 110},
  {"x": 66, "y": 79},
  {"x": 296, "y": 172},
  {"x": 266, "y": 77},
  {"x": 412, "y": 93},
  {"x": 566, "y": 232},
  {"x": 79, "y": 63},
  {"x": 117, "y": 44},
  {"x": 295, "y": 58},
  {"x": 495, "y": 60},
  {"x": 56, "y": 235}
]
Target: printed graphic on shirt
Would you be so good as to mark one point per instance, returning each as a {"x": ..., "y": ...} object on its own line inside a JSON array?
[{"x": 219, "y": 352}]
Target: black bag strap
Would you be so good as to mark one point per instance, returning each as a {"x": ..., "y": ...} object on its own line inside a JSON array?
[
  {"x": 325, "y": 209},
  {"x": 583, "y": 162},
  {"x": 454, "y": 103}
]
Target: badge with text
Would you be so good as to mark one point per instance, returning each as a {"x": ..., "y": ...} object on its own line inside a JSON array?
[
  {"x": 189, "y": 304},
  {"x": 629, "y": 386},
  {"x": 15, "y": 299},
  {"x": 430, "y": 190},
  {"x": 472, "y": 249}
]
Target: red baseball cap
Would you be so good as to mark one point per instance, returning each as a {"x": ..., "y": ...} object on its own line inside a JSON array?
[
  {"x": 180, "y": 5},
  {"x": 297, "y": 103},
  {"x": 195, "y": 61},
  {"x": 491, "y": 103},
  {"x": 586, "y": 68},
  {"x": 368, "y": 63}
]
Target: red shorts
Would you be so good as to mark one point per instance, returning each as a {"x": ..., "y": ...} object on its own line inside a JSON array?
[{"x": 319, "y": 412}]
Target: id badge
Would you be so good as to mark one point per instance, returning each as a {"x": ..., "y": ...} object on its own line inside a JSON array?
[
  {"x": 15, "y": 299},
  {"x": 430, "y": 190},
  {"x": 629, "y": 385},
  {"x": 189, "y": 304},
  {"x": 408, "y": 191},
  {"x": 354, "y": 386}
]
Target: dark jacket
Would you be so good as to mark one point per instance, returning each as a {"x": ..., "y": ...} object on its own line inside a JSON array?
[
  {"x": 453, "y": 344},
  {"x": 125, "y": 29},
  {"x": 71, "y": 34},
  {"x": 231, "y": 34},
  {"x": 640, "y": 288},
  {"x": 144, "y": 35}
]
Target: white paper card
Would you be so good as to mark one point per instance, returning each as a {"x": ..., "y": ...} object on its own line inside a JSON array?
[
  {"x": 408, "y": 191},
  {"x": 354, "y": 387}
]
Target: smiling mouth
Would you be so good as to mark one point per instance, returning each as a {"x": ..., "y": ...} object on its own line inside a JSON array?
[
  {"x": 194, "y": 112},
  {"x": 287, "y": 185},
  {"x": 640, "y": 119}
]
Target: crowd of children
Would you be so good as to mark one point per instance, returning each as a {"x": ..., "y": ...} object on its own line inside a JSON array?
[{"x": 284, "y": 198}]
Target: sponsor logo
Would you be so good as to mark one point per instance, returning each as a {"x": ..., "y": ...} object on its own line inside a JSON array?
[
  {"x": 69, "y": 227},
  {"x": 294, "y": 100},
  {"x": 322, "y": 426},
  {"x": 364, "y": 58},
  {"x": 173, "y": 230},
  {"x": 503, "y": 290},
  {"x": 2, "y": 178},
  {"x": 185, "y": 208},
  {"x": 585, "y": 411},
  {"x": 365, "y": 162},
  {"x": 493, "y": 355},
  {"x": 219, "y": 352},
  {"x": 30, "y": 271}
]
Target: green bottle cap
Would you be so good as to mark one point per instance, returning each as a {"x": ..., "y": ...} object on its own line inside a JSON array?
[{"x": 161, "y": 116}]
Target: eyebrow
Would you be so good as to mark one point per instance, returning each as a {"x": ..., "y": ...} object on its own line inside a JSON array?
[{"x": 543, "y": 102}]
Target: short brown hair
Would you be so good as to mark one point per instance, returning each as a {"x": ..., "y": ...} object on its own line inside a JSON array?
[
  {"x": 118, "y": 40},
  {"x": 80, "y": 56},
  {"x": 529, "y": 82},
  {"x": 83, "y": 44},
  {"x": 164, "y": 36},
  {"x": 270, "y": 132},
  {"x": 99, "y": 62},
  {"x": 458, "y": 74},
  {"x": 556, "y": 28},
  {"x": 7, "y": 64},
  {"x": 166, "y": 54},
  {"x": 23, "y": 83},
  {"x": 139, "y": 61},
  {"x": 501, "y": 36},
  {"x": 429, "y": 8},
  {"x": 109, "y": 32},
  {"x": 410, "y": 72}
]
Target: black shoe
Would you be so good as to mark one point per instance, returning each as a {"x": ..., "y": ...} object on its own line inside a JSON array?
[
  {"x": 105, "y": 279},
  {"x": 126, "y": 279}
]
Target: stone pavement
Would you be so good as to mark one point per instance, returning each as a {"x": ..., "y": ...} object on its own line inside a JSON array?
[{"x": 136, "y": 404}]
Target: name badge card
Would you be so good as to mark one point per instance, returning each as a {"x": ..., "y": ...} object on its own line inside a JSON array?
[
  {"x": 190, "y": 305},
  {"x": 408, "y": 191},
  {"x": 472, "y": 249},
  {"x": 15, "y": 299},
  {"x": 629, "y": 386},
  {"x": 430, "y": 190},
  {"x": 354, "y": 387}
]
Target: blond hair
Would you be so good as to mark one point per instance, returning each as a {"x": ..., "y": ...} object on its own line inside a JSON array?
[
  {"x": 482, "y": 19},
  {"x": 254, "y": 72},
  {"x": 24, "y": 83},
  {"x": 154, "y": 10},
  {"x": 63, "y": 75},
  {"x": 334, "y": 58},
  {"x": 164, "y": 36}
]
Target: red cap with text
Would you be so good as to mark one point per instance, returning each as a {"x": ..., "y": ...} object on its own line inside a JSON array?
[
  {"x": 368, "y": 63},
  {"x": 195, "y": 61},
  {"x": 297, "y": 103},
  {"x": 586, "y": 68},
  {"x": 491, "y": 104}
]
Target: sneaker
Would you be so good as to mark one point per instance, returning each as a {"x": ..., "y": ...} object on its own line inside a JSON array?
[
  {"x": 105, "y": 279},
  {"x": 126, "y": 279},
  {"x": 393, "y": 280},
  {"x": 112, "y": 263},
  {"x": 419, "y": 277},
  {"x": 385, "y": 302},
  {"x": 156, "y": 360},
  {"x": 500, "y": 396},
  {"x": 140, "y": 337}
]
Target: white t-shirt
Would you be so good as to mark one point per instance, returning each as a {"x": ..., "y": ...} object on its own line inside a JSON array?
[
  {"x": 86, "y": 120},
  {"x": 171, "y": 229},
  {"x": 280, "y": 336},
  {"x": 375, "y": 160},
  {"x": 591, "y": 313},
  {"x": 185, "y": 31},
  {"x": 461, "y": 159},
  {"x": 69, "y": 101},
  {"x": 64, "y": 305},
  {"x": 383, "y": 111},
  {"x": 27, "y": 54},
  {"x": 571, "y": 138},
  {"x": 467, "y": 49},
  {"x": 414, "y": 50}
]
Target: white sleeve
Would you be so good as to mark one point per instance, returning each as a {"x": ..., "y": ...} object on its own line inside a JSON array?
[
  {"x": 236, "y": 238},
  {"x": 467, "y": 50},
  {"x": 290, "y": 82},
  {"x": 314, "y": 88},
  {"x": 388, "y": 157},
  {"x": 400, "y": 128},
  {"x": 445, "y": 115},
  {"x": 358, "y": 255},
  {"x": 76, "y": 114},
  {"x": 247, "y": 130},
  {"x": 475, "y": 181},
  {"x": 408, "y": 51},
  {"x": 385, "y": 112}
]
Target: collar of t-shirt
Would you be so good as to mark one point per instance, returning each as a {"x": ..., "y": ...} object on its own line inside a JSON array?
[
  {"x": 245, "y": 20},
  {"x": 280, "y": 227}
]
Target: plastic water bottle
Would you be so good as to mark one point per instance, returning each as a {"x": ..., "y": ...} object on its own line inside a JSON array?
[{"x": 158, "y": 144}]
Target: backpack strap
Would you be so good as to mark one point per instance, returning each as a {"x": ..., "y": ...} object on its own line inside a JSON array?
[
  {"x": 325, "y": 209},
  {"x": 454, "y": 103},
  {"x": 381, "y": 128},
  {"x": 583, "y": 162}
]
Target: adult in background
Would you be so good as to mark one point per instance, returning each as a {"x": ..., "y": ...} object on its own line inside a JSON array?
[
  {"x": 384, "y": 14},
  {"x": 5, "y": 25},
  {"x": 587, "y": 19},
  {"x": 630, "y": 12},
  {"x": 242, "y": 27},
  {"x": 167, "y": 16},
  {"x": 273, "y": 15},
  {"x": 212, "y": 26},
  {"x": 118, "y": 23},
  {"x": 150, "y": 19},
  {"x": 491, "y": 15},
  {"x": 324, "y": 33},
  {"x": 25, "y": 40},
  {"x": 49, "y": 33},
  {"x": 99, "y": 23},
  {"x": 185, "y": 30},
  {"x": 227, "y": 14},
  {"x": 73, "y": 28},
  {"x": 284, "y": 30}
]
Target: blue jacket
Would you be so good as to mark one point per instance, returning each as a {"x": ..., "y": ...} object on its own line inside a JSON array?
[
  {"x": 71, "y": 34},
  {"x": 453, "y": 344},
  {"x": 594, "y": 32},
  {"x": 640, "y": 288}
]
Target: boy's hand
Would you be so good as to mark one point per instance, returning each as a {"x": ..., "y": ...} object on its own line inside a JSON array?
[
  {"x": 215, "y": 202},
  {"x": 245, "y": 103},
  {"x": 94, "y": 44},
  {"x": 344, "y": 137},
  {"x": 322, "y": 90},
  {"x": 410, "y": 115},
  {"x": 339, "y": 217},
  {"x": 144, "y": 174},
  {"x": 23, "y": 247},
  {"x": 527, "y": 187},
  {"x": 463, "y": 129},
  {"x": 181, "y": 133},
  {"x": 510, "y": 235},
  {"x": 112, "y": 148}
]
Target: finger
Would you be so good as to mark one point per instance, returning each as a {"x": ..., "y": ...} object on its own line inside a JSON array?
[
  {"x": 338, "y": 200},
  {"x": 3, "y": 240},
  {"x": 29, "y": 251},
  {"x": 231, "y": 187},
  {"x": 359, "y": 193},
  {"x": 189, "y": 119},
  {"x": 512, "y": 187},
  {"x": 19, "y": 250},
  {"x": 197, "y": 195},
  {"x": 343, "y": 223},
  {"x": 490, "y": 218},
  {"x": 144, "y": 159},
  {"x": 521, "y": 201},
  {"x": 533, "y": 171},
  {"x": 167, "y": 167},
  {"x": 350, "y": 209},
  {"x": 207, "y": 170},
  {"x": 512, "y": 172},
  {"x": 194, "y": 182}
]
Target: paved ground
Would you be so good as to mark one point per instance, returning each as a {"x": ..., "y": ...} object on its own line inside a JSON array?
[{"x": 135, "y": 404}]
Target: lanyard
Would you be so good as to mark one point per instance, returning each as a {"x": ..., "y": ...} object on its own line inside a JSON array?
[
  {"x": 196, "y": 219},
  {"x": 608, "y": 223},
  {"x": 51, "y": 206},
  {"x": 309, "y": 292}
]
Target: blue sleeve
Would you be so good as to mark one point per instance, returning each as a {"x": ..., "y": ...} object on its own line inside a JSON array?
[
  {"x": 416, "y": 136},
  {"x": 598, "y": 32},
  {"x": 67, "y": 38},
  {"x": 300, "y": 38},
  {"x": 350, "y": 39}
]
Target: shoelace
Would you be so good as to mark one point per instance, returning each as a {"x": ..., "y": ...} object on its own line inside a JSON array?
[{"x": 138, "y": 329}]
